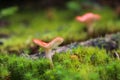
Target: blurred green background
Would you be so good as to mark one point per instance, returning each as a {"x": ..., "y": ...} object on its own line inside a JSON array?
[{"x": 21, "y": 21}]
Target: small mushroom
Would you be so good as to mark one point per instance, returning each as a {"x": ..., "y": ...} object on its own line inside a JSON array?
[
  {"x": 49, "y": 46},
  {"x": 88, "y": 19}
]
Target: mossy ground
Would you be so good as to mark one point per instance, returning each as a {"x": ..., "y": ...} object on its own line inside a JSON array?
[{"x": 88, "y": 63}]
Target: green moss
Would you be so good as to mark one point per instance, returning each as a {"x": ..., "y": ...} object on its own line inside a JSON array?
[{"x": 91, "y": 64}]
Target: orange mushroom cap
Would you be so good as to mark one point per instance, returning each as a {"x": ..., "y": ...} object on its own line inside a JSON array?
[
  {"x": 52, "y": 44},
  {"x": 88, "y": 18},
  {"x": 40, "y": 42}
]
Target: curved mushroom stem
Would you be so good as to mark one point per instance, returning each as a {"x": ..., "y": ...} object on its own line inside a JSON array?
[{"x": 48, "y": 55}]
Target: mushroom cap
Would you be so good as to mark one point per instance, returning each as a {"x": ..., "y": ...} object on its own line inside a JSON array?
[
  {"x": 52, "y": 44},
  {"x": 40, "y": 43},
  {"x": 88, "y": 18},
  {"x": 56, "y": 41}
]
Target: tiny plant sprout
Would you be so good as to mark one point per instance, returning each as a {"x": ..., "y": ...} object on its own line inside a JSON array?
[
  {"x": 88, "y": 19},
  {"x": 49, "y": 46}
]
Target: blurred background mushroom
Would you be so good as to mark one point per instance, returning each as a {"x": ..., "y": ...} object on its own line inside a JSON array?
[{"x": 88, "y": 19}]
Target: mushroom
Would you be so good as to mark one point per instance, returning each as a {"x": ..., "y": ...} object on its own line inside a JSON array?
[
  {"x": 88, "y": 19},
  {"x": 49, "y": 46}
]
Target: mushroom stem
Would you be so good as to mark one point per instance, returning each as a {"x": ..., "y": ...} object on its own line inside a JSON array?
[
  {"x": 90, "y": 29},
  {"x": 48, "y": 55}
]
